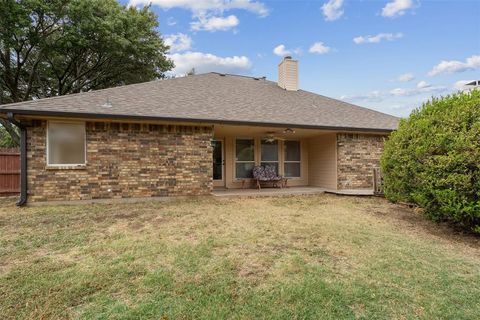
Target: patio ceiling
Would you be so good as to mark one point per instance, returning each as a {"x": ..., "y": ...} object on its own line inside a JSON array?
[{"x": 258, "y": 131}]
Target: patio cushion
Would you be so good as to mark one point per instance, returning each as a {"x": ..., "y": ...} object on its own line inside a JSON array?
[
  {"x": 271, "y": 173},
  {"x": 259, "y": 173},
  {"x": 267, "y": 173}
]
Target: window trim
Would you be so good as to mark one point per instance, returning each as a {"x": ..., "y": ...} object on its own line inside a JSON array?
[
  {"x": 254, "y": 161},
  {"x": 68, "y": 165},
  {"x": 290, "y": 161}
]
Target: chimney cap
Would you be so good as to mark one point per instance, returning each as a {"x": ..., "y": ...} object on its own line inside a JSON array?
[{"x": 287, "y": 58}]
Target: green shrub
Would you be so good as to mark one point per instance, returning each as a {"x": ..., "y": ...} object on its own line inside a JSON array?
[{"x": 433, "y": 160}]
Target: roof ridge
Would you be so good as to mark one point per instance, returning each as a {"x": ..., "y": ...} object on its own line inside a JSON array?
[{"x": 236, "y": 75}]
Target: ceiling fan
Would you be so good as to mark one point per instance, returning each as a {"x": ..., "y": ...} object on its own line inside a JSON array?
[{"x": 271, "y": 136}]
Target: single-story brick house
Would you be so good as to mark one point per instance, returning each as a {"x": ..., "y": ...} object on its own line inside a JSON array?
[{"x": 186, "y": 136}]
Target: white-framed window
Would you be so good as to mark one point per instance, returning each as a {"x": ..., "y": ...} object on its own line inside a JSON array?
[
  {"x": 66, "y": 143},
  {"x": 292, "y": 158},
  {"x": 244, "y": 158},
  {"x": 269, "y": 153}
]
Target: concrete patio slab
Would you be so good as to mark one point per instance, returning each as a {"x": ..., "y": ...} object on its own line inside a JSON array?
[
  {"x": 290, "y": 191},
  {"x": 267, "y": 192}
]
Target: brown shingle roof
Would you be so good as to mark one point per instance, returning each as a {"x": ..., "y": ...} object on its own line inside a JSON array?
[{"x": 214, "y": 98}]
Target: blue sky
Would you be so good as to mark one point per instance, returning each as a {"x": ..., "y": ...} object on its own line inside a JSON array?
[{"x": 389, "y": 55}]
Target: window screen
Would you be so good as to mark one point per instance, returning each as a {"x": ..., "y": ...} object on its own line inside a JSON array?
[
  {"x": 66, "y": 143},
  {"x": 270, "y": 154},
  {"x": 292, "y": 159},
  {"x": 244, "y": 158}
]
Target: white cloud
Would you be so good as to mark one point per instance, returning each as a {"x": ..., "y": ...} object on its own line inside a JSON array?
[
  {"x": 171, "y": 21},
  {"x": 206, "y": 62},
  {"x": 406, "y": 77},
  {"x": 281, "y": 51},
  {"x": 178, "y": 42},
  {"x": 297, "y": 51},
  {"x": 405, "y": 98},
  {"x": 332, "y": 10},
  {"x": 208, "y": 22},
  {"x": 319, "y": 48},
  {"x": 377, "y": 38},
  {"x": 215, "y": 23},
  {"x": 422, "y": 87},
  {"x": 208, "y": 14},
  {"x": 423, "y": 84},
  {"x": 401, "y": 101},
  {"x": 397, "y": 8},
  {"x": 370, "y": 96},
  {"x": 455, "y": 66},
  {"x": 398, "y": 92},
  {"x": 202, "y": 7},
  {"x": 377, "y": 96},
  {"x": 462, "y": 85}
]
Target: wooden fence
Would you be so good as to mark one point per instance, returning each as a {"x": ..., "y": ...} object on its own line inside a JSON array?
[{"x": 9, "y": 171}]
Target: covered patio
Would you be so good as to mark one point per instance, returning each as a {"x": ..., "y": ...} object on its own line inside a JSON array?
[
  {"x": 308, "y": 160},
  {"x": 304, "y": 157}
]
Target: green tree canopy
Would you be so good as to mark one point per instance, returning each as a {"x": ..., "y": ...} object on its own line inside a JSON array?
[
  {"x": 433, "y": 159},
  {"x": 56, "y": 47},
  {"x": 5, "y": 138}
]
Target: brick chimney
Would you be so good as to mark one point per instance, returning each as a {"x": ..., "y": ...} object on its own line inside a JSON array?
[{"x": 288, "y": 74}]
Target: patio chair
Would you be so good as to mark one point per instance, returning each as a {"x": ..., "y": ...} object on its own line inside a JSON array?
[{"x": 267, "y": 174}]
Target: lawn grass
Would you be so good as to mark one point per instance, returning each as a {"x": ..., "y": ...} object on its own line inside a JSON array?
[{"x": 311, "y": 257}]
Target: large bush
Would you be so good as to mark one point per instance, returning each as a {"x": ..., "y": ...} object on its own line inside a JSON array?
[{"x": 433, "y": 160}]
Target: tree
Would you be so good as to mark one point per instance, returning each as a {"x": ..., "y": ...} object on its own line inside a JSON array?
[
  {"x": 433, "y": 160},
  {"x": 5, "y": 139},
  {"x": 56, "y": 47}
]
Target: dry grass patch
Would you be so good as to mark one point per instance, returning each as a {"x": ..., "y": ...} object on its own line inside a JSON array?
[{"x": 295, "y": 257}]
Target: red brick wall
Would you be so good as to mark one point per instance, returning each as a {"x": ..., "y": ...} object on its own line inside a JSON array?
[{"x": 125, "y": 160}]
